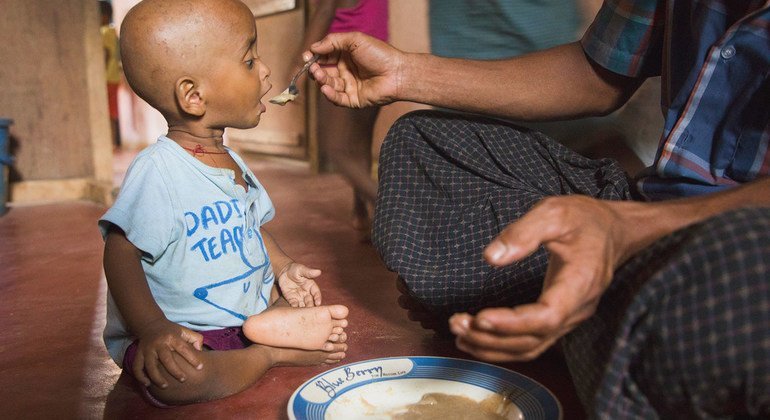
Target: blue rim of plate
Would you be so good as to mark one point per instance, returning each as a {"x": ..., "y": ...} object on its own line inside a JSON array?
[{"x": 311, "y": 399}]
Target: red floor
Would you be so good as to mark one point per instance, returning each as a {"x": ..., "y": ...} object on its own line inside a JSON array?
[{"x": 52, "y": 361}]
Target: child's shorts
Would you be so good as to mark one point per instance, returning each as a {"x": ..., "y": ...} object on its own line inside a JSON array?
[{"x": 231, "y": 338}]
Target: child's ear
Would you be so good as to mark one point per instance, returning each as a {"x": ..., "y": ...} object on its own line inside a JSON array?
[{"x": 189, "y": 96}]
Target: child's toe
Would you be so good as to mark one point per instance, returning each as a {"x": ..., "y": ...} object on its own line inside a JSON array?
[{"x": 338, "y": 311}]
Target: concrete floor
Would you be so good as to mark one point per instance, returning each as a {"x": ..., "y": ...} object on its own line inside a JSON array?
[{"x": 53, "y": 363}]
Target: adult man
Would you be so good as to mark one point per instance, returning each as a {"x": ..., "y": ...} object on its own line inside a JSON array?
[{"x": 660, "y": 289}]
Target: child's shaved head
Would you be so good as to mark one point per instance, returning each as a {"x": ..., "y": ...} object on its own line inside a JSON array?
[{"x": 162, "y": 41}]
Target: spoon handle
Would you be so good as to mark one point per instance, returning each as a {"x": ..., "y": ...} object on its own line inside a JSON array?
[{"x": 304, "y": 68}]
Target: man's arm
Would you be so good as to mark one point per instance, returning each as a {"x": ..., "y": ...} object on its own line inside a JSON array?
[
  {"x": 633, "y": 225},
  {"x": 662, "y": 218},
  {"x": 554, "y": 84},
  {"x": 558, "y": 83},
  {"x": 587, "y": 240}
]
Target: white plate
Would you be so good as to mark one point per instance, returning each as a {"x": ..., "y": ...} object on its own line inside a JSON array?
[{"x": 373, "y": 389}]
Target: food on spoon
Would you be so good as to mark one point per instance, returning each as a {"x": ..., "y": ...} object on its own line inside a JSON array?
[{"x": 283, "y": 97}]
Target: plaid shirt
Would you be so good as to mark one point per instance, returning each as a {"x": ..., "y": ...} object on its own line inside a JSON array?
[{"x": 713, "y": 57}]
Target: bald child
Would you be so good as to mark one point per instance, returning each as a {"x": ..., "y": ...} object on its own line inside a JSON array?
[{"x": 202, "y": 300}]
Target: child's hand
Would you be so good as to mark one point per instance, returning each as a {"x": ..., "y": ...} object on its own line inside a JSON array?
[
  {"x": 297, "y": 285},
  {"x": 157, "y": 343}
]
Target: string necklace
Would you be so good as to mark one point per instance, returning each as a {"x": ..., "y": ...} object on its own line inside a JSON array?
[{"x": 199, "y": 150}]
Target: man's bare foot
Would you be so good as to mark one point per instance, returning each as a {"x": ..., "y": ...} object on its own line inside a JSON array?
[{"x": 309, "y": 328}]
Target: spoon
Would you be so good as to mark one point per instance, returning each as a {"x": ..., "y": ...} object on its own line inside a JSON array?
[{"x": 292, "y": 92}]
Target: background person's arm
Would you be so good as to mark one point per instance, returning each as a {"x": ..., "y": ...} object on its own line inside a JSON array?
[{"x": 317, "y": 26}]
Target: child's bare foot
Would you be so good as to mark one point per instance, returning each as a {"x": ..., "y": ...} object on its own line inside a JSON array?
[
  {"x": 296, "y": 357},
  {"x": 309, "y": 328}
]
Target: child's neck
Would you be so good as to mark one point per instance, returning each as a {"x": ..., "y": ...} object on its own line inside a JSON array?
[
  {"x": 190, "y": 139},
  {"x": 209, "y": 149}
]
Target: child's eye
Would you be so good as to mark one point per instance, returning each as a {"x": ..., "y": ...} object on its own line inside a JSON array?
[{"x": 250, "y": 64}]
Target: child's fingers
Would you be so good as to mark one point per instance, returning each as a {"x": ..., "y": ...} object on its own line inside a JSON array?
[
  {"x": 308, "y": 272},
  {"x": 316, "y": 293},
  {"x": 194, "y": 338},
  {"x": 171, "y": 366},
  {"x": 191, "y": 356},
  {"x": 138, "y": 369},
  {"x": 293, "y": 300},
  {"x": 154, "y": 373}
]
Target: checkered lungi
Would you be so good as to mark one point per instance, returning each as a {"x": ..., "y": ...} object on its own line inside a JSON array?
[{"x": 684, "y": 329}]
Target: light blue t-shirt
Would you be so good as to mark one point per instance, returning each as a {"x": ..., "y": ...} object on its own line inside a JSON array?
[{"x": 204, "y": 257}]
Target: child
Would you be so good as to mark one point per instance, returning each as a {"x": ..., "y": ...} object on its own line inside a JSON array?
[{"x": 189, "y": 267}]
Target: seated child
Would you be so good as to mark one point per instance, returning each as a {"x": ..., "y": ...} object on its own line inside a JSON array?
[{"x": 195, "y": 311}]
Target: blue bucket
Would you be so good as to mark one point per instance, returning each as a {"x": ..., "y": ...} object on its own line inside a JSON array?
[{"x": 5, "y": 162}]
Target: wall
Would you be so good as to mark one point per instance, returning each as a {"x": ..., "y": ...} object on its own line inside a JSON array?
[{"x": 53, "y": 87}]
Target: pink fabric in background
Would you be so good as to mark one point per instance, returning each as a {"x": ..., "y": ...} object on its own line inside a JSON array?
[{"x": 369, "y": 17}]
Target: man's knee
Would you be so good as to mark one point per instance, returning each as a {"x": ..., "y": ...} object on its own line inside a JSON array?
[{"x": 404, "y": 132}]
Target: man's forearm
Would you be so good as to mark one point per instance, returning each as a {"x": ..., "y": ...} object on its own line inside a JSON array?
[
  {"x": 655, "y": 220},
  {"x": 555, "y": 84}
]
